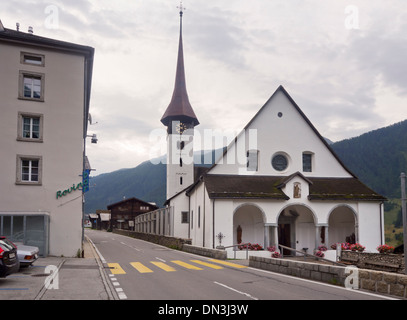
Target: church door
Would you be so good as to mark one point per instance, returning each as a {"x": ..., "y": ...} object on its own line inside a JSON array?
[{"x": 284, "y": 237}]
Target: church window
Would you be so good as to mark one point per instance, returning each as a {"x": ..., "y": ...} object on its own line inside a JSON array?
[
  {"x": 307, "y": 162},
  {"x": 180, "y": 181},
  {"x": 199, "y": 217},
  {"x": 252, "y": 160},
  {"x": 184, "y": 217},
  {"x": 279, "y": 162}
]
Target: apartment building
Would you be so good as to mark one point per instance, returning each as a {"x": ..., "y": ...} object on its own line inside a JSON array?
[{"x": 45, "y": 87}]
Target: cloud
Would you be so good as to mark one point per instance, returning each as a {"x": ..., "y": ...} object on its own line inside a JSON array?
[{"x": 236, "y": 55}]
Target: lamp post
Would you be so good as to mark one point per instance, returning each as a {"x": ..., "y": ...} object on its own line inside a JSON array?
[{"x": 404, "y": 214}]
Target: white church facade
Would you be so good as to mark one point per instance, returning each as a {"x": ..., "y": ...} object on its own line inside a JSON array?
[{"x": 291, "y": 189}]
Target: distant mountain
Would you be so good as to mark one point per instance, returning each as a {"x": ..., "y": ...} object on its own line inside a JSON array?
[
  {"x": 146, "y": 182},
  {"x": 377, "y": 158}
]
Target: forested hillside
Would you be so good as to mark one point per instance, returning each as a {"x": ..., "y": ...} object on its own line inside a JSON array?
[{"x": 377, "y": 157}]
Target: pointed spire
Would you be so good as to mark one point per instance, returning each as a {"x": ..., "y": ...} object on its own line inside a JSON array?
[{"x": 180, "y": 108}]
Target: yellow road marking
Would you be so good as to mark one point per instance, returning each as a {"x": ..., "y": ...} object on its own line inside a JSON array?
[
  {"x": 186, "y": 265},
  {"x": 230, "y": 264},
  {"x": 210, "y": 265},
  {"x": 163, "y": 266},
  {"x": 140, "y": 267},
  {"x": 115, "y": 268}
]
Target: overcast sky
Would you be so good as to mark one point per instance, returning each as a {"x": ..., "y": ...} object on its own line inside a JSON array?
[{"x": 343, "y": 62}]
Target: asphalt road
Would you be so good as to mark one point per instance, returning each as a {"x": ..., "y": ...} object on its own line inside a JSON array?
[{"x": 141, "y": 270}]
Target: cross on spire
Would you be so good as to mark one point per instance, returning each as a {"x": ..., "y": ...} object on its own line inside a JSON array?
[{"x": 181, "y": 9}]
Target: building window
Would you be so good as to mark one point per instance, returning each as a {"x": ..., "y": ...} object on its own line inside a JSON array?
[
  {"x": 307, "y": 162},
  {"x": 184, "y": 217},
  {"x": 31, "y": 86},
  {"x": 252, "y": 160},
  {"x": 30, "y": 127},
  {"x": 192, "y": 219},
  {"x": 279, "y": 162},
  {"x": 180, "y": 181},
  {"x": 29, "y": 170},
  {"x": 32, "y": 59},
  {"x": 199, "y": 216}
]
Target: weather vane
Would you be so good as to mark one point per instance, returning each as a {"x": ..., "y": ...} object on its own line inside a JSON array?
[{"x": 181, "y": 8}]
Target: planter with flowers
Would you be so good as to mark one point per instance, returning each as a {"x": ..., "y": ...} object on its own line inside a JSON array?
[
  {"x": 274, "y": 253},
  {"x": 250, "y": 246},
  {"x": 384, "y": 248},
  {"x": 357, "y": 247}
]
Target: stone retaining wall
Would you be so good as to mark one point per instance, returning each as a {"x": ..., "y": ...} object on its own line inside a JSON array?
[
  {"x": 213, "y": 253},
  {"x": 174, "y": 243},
  {"x": 377, "y": 261},
  {"x": 375, "y": 281},
  {"x": 171, "y": 242}
]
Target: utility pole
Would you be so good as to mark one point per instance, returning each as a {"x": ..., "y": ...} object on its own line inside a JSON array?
[{"x": 404, "y": 214}]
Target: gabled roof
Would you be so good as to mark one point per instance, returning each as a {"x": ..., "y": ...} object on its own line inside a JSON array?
[
  {"x": 180, "y": 108},
  {"x": 284, "y": 181},
  {"x": 243, "y": 187},
  {"x": 131, "y": 200},
  {"x": 342, "y": 189},
  {"x": 282, "y": 90},
  {"x": 270, "y": 187}
]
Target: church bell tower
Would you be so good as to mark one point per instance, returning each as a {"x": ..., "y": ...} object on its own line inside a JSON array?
[{"x": 180, "y": 120}]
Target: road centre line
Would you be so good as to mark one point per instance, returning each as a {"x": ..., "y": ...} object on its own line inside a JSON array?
[
  {"x": 162, "y": 260},
  {"x": 235, "y": 290}
]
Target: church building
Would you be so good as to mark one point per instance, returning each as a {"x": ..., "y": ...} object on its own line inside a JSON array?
[{"x": 291, "y": 188}]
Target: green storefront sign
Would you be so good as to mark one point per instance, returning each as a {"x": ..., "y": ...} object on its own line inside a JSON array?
[{"x": 65, "y": 192}]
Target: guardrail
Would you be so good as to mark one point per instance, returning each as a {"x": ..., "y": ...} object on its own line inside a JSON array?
[
  {"x": 237, "y": 245},
  {"x": 309, "y": 255}
]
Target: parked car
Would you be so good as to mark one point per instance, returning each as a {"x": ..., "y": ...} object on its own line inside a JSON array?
[
  {"x": 27, "y": 255},
  {"x": 8, "y": 257}
]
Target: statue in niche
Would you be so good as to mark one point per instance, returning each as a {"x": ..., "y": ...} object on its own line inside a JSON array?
[
  {"x": 239, "y": 234},
  {"x": 297, "y": 190}
]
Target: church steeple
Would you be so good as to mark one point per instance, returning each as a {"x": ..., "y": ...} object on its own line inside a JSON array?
[{"x": 180, "y": 108}]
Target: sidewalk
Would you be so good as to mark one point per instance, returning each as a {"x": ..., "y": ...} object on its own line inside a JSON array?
[{"x": 75, "y": 279}]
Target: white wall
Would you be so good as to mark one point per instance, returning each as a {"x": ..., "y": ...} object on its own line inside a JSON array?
[
  {"x": 62, "y": 145},
  {"x": 289, "y": 134}
]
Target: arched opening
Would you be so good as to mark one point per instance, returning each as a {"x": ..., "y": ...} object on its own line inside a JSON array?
[
  {"x": 342, "y": 225},
  {"x": 296, "y": 229},
  {"x": 248, "y": 225}
]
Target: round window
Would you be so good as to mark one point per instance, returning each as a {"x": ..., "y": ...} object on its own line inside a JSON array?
[{"x": 279, "y": 162}]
